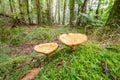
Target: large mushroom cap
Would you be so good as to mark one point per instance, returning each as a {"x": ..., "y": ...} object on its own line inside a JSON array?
[
  {"x": 72, "y": 39},
  {"x": 46, "y": 48}
]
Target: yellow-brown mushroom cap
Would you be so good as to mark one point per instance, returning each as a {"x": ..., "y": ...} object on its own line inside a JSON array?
[
  {"x": 46, "y": 48},
  {"x": 72, "y": 39}
]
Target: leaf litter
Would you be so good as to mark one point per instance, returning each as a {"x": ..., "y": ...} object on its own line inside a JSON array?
[{"x": 29, "y": 75}]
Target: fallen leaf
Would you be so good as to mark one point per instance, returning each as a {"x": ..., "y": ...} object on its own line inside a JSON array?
[
  {"x": 28, "y": 60},
  {"x": 29, "y": 75},
  {"x": 60, "y": 63}
]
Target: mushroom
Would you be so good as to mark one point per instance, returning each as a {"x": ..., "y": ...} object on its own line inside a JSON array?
[
  {"x": 46, "y": 48},
  {"x": 72, "y": 39}
]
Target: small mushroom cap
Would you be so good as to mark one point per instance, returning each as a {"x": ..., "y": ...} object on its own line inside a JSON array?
[
  {"x": 46, "y": 48},
  {"x": 72, "y": 39}
]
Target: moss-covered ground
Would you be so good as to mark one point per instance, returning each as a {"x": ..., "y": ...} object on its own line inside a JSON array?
[{"x": 84, "y": 64}]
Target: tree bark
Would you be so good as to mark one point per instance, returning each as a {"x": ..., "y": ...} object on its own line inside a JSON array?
[
  {"x": 38, "y": 12},
  {"x": 21, "y": 10},
  {"x": 58, "y": 11},
  {"x": 83, "y": 10},
  {"x": 14, "y": 7},
  {"x": 64, "y": 12},
  {"x": 78, "y": 15},
  {"x": 28, "y": 12},
  {"x": 11, "y": 7},
  {"x": 50, "y": 12},
  {"x": 114, "y": 16},
  {"x": 72, "y": 13}
]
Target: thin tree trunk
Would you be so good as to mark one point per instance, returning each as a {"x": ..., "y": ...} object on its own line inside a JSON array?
[
  {"x": 64, "y": 12},
  {"x": 72, "y": 13},
  {"x": 21, "y": 10},
  {"x": 78, "y": 14},
  {"x": 83, "y": 10},
  {"x": 97, "y": 10},
  {"x": 11, "y": 7},
  {"x": 58, "y": 11},
  {"x": 38, "y": 12},
  {"x": 28, "y": 12},
  {"x": 50, "y": 12}
]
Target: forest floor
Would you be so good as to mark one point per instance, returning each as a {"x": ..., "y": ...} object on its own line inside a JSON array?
[{"x": 92, "y": 60}]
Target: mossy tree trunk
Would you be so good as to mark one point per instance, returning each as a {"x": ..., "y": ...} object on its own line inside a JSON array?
[
  {"x": 114, "y": 17},
  {"x": 38, "y": 3},
  {"x": 97, "y": 10},
  {"x": 21, "y": 10},
  {"x": 11, "y": 7},
  {"x": 83, "y": 10},
  {"x": 59, "y": 11},
  {"x": 56, "y": 10},
  {"x": 78, "y": 18},
  {"x": 28, "y": 12},
  {"x": 64, "y": 12},
  {"x": 49, "y": 5},
  {"x": 72, "y": 13}
]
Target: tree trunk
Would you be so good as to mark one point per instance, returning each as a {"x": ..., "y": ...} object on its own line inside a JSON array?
[
  {"x": 3, "y": 7},
  {"x": 21, "y": 10},
  {"x": 78, "y": 15},
  {"x": 72, "y": 13},
  {"x": 38, "y": 12},
  {"x": 97, "y": 10},
  {"x": 58, "y": 11},
  {"x": 11, "y": 7},
  {"x": 64, "y": 12},
  {"x": 114, "y": 16},
  {"x": 28, "y": 12},
  {"x": 50, "y": 12},
  {"x": 83, "y": 10}
]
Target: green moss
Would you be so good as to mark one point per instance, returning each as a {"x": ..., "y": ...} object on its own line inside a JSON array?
[{"x": 83, "y": 64}]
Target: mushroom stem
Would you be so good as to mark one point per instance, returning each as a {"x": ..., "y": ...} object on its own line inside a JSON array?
[
  {"x": 72, "y": 49},
  {"x": 48, "y": 57}
]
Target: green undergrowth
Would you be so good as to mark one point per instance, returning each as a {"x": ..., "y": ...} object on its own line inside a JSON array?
[
  {"x": 83, "y": 64},
  {"x": 17, "y": 36}
]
